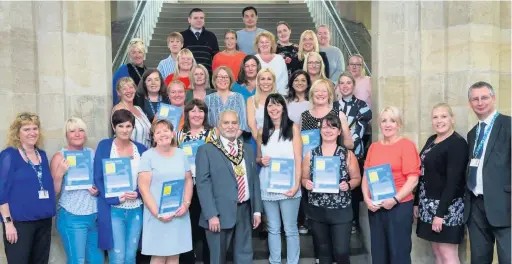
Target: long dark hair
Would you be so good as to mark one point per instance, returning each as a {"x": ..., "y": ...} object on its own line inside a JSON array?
[
  {"x": 188, "y": 107},
  {"x": 332, "y": 120},
  {"x": 292, "y": 94},
  {"x": 142, "y": 90},
  {"x": 286, "y": 129},
  {"x": 241, "y": 74}
]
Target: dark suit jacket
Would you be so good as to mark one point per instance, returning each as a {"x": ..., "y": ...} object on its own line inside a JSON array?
[
  {"x": 217, "y": 188},
  {"x": 496, "y": 173}
]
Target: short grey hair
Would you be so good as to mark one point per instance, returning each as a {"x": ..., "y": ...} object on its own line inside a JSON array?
[
  {"x": 481, "y": 84},
  {"x": 221, "y": 115}
]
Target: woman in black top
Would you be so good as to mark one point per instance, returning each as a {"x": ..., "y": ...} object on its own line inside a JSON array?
[
  {"x": 151, "y": 93},
  {"x": 439, "y": 204},
  {"x": 285, "y": 48},
  {"x": 331, "y": 213}
]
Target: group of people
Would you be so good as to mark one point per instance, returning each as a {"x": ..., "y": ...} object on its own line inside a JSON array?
[{"x": 255, "y": 108}]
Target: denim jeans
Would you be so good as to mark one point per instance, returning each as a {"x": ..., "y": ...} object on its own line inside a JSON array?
[
  {"x": 126, "y": 229},
  {"x": 288, "y": 209},
  {"x": 79, "y": 235}
]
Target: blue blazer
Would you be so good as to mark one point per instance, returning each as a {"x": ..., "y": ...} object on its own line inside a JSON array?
[
  {"x": 120, "y": 73},
  {"x": 105, "y": 236}
]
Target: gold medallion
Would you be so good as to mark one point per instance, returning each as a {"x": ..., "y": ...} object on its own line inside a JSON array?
[{"x": 239, "y": 170}]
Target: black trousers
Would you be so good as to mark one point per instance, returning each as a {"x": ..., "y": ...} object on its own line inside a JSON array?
[
  {"x": 390, "y": 232},
  {"x": 331, "y": 242},
  {"x": 33, "y": 246},
  {"x": 198, "y": 234},
  {"x": 482, "y": 236}
]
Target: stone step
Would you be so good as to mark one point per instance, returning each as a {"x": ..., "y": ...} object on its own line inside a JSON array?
[
  {"x": 238, "y": 14},
  {"x": 221, "y": 28},
  {"x": 272, "y": 19}
]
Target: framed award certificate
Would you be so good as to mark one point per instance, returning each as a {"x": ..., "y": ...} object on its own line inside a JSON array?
[
  {"x": 281, "y": 175},
  {"x": 326, "y": 174},
  {"x": 381, "y": 183},
  {"x": 310, "y": 140},
  {"x": 79, "y": 175},
  {"x": 117, "y": 176},
  {"x": 190, "y": 149},
  {"x": 171, "y": 197},
  {"x": 171, "y": 113}
]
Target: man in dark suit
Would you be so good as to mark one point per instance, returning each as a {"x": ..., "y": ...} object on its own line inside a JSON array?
[
  {"x": 229, "y": 192},
  {"x": 487, "y": 201}
]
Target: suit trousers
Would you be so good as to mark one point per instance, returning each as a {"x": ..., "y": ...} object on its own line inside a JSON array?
[
  {"x": 390, "y": 232},
  {"x": 240, "y": 234},
  {"x": 33, "y": 246},
  {"x": 482, "y": 236}
]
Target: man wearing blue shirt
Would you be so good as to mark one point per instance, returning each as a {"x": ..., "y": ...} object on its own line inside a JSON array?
[{"x": 247, "y": 35}]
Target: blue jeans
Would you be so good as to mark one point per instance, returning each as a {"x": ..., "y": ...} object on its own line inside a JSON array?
[
  {"x": 79, "y": 235},
  {"x": 126, "y": 229},
  {"x": 288, "y": 209}
]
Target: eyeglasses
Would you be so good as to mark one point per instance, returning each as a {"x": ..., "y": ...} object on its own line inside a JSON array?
[
  {"x": 27, "y": 116},
  {"x": 135, "y": 41},
  {"x": 314, "y": 63},
  {"x": 222, "y": 77},
  {"x": 355, "y": 65}
]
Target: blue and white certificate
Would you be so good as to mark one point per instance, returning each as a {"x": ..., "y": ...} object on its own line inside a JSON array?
[
  {"x": 381, "y": 183},
  {"x": 281, "y": 175},
  {"x": 171, "y": 113},
  {"x": 117, "y": 176},
  {"x": 79, "y": 175},
  {"x": 171, "y": 198},
  {"x": 326, "y": 174},
  {"x": 310, "y": 140},
  {"x": 190, "y": 149}
]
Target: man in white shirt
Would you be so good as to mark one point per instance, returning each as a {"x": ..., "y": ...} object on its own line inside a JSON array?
[
  {"x": 487, "y": 201},
  {"x": 229, "y": 192}
]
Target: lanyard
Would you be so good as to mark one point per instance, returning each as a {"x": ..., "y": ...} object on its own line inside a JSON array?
[
  {"x": 157, "y": 105},
  {"x": 38, "y": 170},
  {"x": 479, "y": 147}
]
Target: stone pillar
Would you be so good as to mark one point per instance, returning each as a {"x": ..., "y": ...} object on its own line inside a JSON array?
[
  {"x": 430, "y": 52},
  {"x": 56, "y": 61}
]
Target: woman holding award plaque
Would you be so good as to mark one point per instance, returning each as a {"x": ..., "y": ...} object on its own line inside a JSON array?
[
  {"x": 280, "y": 155},
  {"x": 76, "y": 218},
  {"x": 392, "y": 169},
  {"x": 119, "y": 215},
  {"x": 330, "y": 172},
  {"x": 165, "y": 183}
]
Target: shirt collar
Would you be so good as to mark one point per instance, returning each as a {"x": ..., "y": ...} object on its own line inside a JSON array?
[
  {"x": 488, "y": 120},
  {"x": 195, "y": 30},
  {"x": 226, "y": 141}
]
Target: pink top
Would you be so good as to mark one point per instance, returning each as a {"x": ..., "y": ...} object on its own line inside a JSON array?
[{"x": 363, "y": 90}]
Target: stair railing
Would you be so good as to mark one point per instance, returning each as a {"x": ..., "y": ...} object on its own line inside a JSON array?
[
  {"x": 324, "y": 13},
  {"x": 142, "y": 26}
]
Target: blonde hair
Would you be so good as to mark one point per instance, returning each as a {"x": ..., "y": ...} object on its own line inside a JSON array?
[
  {"x": 173, "y": 82},
  {"x": 393, "y": 112},
  {"x": 330, "y": 90},
  {"x": 183, "y": 52},
  {"x": 193, "y": 79},
  {"x": 24, "y": 118},
  {"x": 448, "y": 109},
  {"x": 316, "y": 46},
  {"x": 73, "y": 123},
  {"x": 228, "y": 71},
  {"x": 271, "y": 38},
  {"x": 175, "y": 35},
  {"x": 137, "y": 43},
  {"x": 319, "y": 58},
  {"x": 257, "y": 94},
  {"x": 123, "y": 81},
  {"x": 363, "y": 70}
]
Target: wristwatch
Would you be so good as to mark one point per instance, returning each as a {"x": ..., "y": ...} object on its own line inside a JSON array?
[{"x": 7, "y": 219}]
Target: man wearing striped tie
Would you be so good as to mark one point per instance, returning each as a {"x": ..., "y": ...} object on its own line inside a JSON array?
[{"x": 228, "y": 188}]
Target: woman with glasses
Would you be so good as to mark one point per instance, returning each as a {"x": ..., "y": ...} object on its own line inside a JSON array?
[
  {"x": 265, "y": 44},
  {"x": 246, "y": 84},
  {"x": 184, "y": 63},
  {"x": 77, "y": 215},
  {"x": 298, "y": 99},
  {"x": 230, "y": 56},
  {"x": 286, "y": 48},
  {"x": 266, "y": 85},
  {"x": 315, "y": 66},
  {"x": 363, "y": 89},
  {"x": 151, "y": 93},
  {"x": 134, "y": 69},
  {"x": 199, "y": 84},
  {"x": 142, "y": 126},
  {"x": 309, "y": 43},
  {"x": 27, "y": 194},
  {"x": 225, "y": 99}
]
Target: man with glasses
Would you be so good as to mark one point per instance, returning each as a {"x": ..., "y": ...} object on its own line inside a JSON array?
[
  {"x": 363, "y": 89},
  {"x": 487, "y": 200}
]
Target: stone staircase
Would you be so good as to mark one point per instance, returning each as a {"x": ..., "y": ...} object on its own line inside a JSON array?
[{"x": 221, "y": 17}]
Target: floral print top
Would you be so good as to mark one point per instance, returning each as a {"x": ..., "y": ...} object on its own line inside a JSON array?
[{"x": 289, "y": 54}]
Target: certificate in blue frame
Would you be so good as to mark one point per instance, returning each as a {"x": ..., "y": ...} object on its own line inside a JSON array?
[
  {"x": 80, "y": 171},
  {"x": 171, "y": 113},
  {"x": 381, "y": 183},
  {"x": 117, "y": 176},
  {"x": 190, "y": 150},
  {"x": 310, "y": 140},
  {"x": 171, "y": 197},
  {"x": 281, "y": 175},
  {"x": 326, "y": 174}
]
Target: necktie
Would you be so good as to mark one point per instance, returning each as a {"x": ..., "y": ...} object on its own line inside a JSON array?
[
  {"x": 473, "y": 170},
  {"x": 197, "y": 35},
  {"x": 239, "y": 180},
  {"x": 232, "y": 150}
]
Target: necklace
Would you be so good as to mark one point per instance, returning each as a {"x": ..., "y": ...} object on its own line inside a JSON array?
[{"x": 137, "y": 70}]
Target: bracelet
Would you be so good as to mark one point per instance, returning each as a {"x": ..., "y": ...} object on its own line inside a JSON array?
[
  {"x": 396, "y": 200},
  {"x": 186, "y": 202}
]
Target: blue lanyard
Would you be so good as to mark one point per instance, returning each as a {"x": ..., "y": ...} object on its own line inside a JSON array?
[
  {"x": 157, "y": 105},
  {"x": 479, "y": 147},
  {"x": 38, "y": 170}
]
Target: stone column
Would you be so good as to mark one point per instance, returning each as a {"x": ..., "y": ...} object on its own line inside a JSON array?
[{"x": 56, "y": 61}]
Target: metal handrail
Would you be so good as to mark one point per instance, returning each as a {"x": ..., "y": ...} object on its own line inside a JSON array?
[
  {"x": 142, "y": 26},
  {"x": 324, "y": 13}
]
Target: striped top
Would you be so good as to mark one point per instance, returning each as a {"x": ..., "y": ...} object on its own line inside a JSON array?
[
  {"x": 234, "y": 102},
  {"x": 141, "y": 131},
  {"x": 167, "y": 66}
]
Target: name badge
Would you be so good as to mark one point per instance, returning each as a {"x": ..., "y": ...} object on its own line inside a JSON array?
[
  {"x": 43, "y": 194},
  {"x": 474, "y": 162}
]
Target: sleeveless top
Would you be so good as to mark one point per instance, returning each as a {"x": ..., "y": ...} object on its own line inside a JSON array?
[
  {"x": 277, "y": 148},
  {"x": 135, "y": 161},
  {"x": 331, "y": 200},
  {"x": 78, "y": 202},
  {"x": 141, "y": 131},
  {"x": 259, "y": 113},
  {"x": 310, "y": 122}
]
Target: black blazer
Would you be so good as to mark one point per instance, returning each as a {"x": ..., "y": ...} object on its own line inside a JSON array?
[{"x": 496, "y": 173}]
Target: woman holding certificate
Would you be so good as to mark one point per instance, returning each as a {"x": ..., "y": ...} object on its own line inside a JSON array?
[
  {"x": 439, "y": 203},
  {"x": 176, "y": 91},
  {"x": 76, "y": 219},
  {"x": 27, "y": 196},
  {"x": 280, "y": 155},
  {"x": 165, "y": 183},
  {"x": 392, "y": 169},
  {"x": 116, "y": 166},
  {"x": 265, "y": 85},
  {"x": 329, "y": 172}
]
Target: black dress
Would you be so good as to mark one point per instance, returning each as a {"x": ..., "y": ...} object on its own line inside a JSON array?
[
  {"x": 441, "y": 189},
  {"x": 289, "y": 54}
]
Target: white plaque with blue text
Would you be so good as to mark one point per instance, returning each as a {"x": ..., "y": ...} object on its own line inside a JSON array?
[
  {"x": 171, "y": 198},
  {"x": 171, "y": 113},
  {"x": 326, "y": 174},
  {"x": 79, "y": 175},
  {"x": 281, "y": 175},
  {"x": 381, "y": 183},
  {"x": 117, "y": 176}
]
